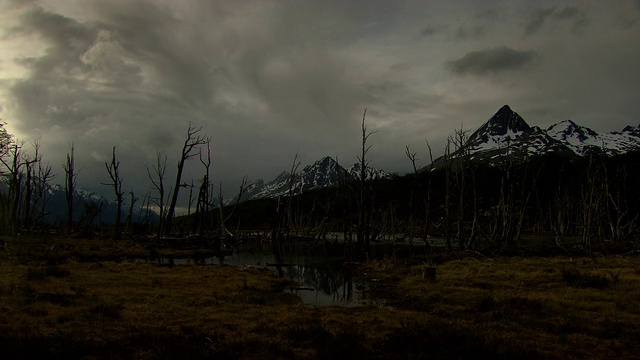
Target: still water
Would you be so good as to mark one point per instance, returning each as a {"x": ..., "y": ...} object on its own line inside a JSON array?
[{"x": 318, "y": 271}]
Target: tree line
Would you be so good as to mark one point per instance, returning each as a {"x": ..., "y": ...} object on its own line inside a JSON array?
[
  {"x": 553, "y": 201},
  {"x": 28, "y": 181},
  {"x": 568, "y": 202}
]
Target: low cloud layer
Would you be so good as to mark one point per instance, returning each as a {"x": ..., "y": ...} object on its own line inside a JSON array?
[
  {"x": 267, "y": 79},
  {"x": 492, "y": 61}
]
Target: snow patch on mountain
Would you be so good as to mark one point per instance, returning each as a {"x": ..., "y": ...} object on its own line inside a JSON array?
[
  {"x": 506, "y": 132},
  {"x": 323, "y": 173},
  {"x": 583, "y": 140}
]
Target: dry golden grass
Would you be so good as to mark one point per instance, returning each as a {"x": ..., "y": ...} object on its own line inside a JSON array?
[
  {"x": 561, "y": 307},
  {"x": 60, "y": 304}
]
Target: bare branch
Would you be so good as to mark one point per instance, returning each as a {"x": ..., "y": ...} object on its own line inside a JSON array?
[{"x": 412, "y": 157}]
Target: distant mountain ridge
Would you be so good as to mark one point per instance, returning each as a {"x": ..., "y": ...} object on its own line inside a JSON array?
[
  {"x": 506, "y": 132},
  {"x": 85, "y": 202},
  {"x": 323, "y": 173}
]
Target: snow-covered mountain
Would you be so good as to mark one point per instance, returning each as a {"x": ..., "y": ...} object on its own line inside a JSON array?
[
  {"x": 325, "y": 172},
  {"x": 372, "y": 173},
  {"x": 506, "y": 133},
  {"x": 582, "y": 139}
]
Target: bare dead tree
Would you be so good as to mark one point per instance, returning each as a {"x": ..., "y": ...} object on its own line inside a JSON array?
[
  {"x": 223, "y": 227},
  {"x": 525, "y": 195},
  {"x": 43, "y": 177},
  {"x": 464, "y": 171},
  {"x": 292, "y": 180},
  {"x": 13, "y": 165},
  {"x": 146, "y": 208},
  {"x": 593, "y": 200},
  {"x": 617, "y": 204},
  {"x": 204, "y": 204},
  {"x": 5, "y": 139},
  {"x": 70, "y": 176},
  {"x": 364, "y": 232},
  {"x": 157, "y": 182},
  {"x": 29, "y": 186},
  {"x": 347, "y": 193},
  {"x": 427, "y": 204},
  {"x": 192, "y": 140},
  {"x": 223, "y": 218},
  {"x": 504, "y": 228},
  {"x": 113, "y": 169},
  {"x": 190, "y": 197},
  {"x": 447, "y": 196},
  {"x": 412, "y": 157},
  {"x": 282, "y": 217},
  {"x": 132, "y": 202},
  {"x": 560, "y": 211},
  {"x": 459, "y": 139}
]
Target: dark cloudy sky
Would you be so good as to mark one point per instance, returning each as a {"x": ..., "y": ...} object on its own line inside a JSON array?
[{"x": 268, "y": 78}]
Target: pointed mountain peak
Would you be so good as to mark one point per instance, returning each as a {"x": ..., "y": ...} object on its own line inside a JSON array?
[
  {"x": 504, "y": 123},
  {"x": 326, "y": 162},
  {"x": 505, "y": 109},
  {"x": 506, "y": 119}
]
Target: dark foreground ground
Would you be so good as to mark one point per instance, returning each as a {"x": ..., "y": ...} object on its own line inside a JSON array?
[{"x": 71, "y": 299}]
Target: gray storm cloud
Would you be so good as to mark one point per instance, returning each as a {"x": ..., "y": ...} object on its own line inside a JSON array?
[
  {"x": 266, "y": 79},
  {"x": 491, "y": 61}
]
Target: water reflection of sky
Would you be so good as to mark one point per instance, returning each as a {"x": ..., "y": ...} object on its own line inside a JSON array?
[
  {"x": 319, "y": 274},
  {"x": 316, "y": 281}
]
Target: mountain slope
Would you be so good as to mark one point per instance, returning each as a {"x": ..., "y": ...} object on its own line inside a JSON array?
[
  {"x": 507, "y": 132},
  {"x": 325, "y": 172},
  {"x": 583, "y": 140}
]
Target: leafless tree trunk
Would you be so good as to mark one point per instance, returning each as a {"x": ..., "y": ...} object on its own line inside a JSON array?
[
  {"x": 592, "y": 201},
  {"x": 157, "y": 180},
  {"x": 69, "y": 187},
  {"x": 346, "y": 192},
  {"x": 204, "y": 203},
  {"x": 447, "y": 195},
  {"x": 365, "y": 201},
  {"x": 459, "y": 141},
  {"x": 525, "y": 196},
  {"x": 505, "y": 212},
  {"x": 14, "y": 166},
  {"x": 427, "y": 201},
  {"x": 146, "y": 207},
  {"x": 412, "y": 157},
  {"x": 190, "y": 197},
  {"x": 617, "y": 209},
  {"x": 43, "y": 177},
  {"x": 292, "y": 180},
  {"x": 113, "y": 168},
  {"x": 192, "y": 141},
  {"x": 223, "y": 218},
  {"x": 30, "y": 184},
  {"x": 132, "y": 203}
]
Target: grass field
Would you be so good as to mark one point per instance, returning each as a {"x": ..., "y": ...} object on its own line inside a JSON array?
[{"x": 77, "y": 299}]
